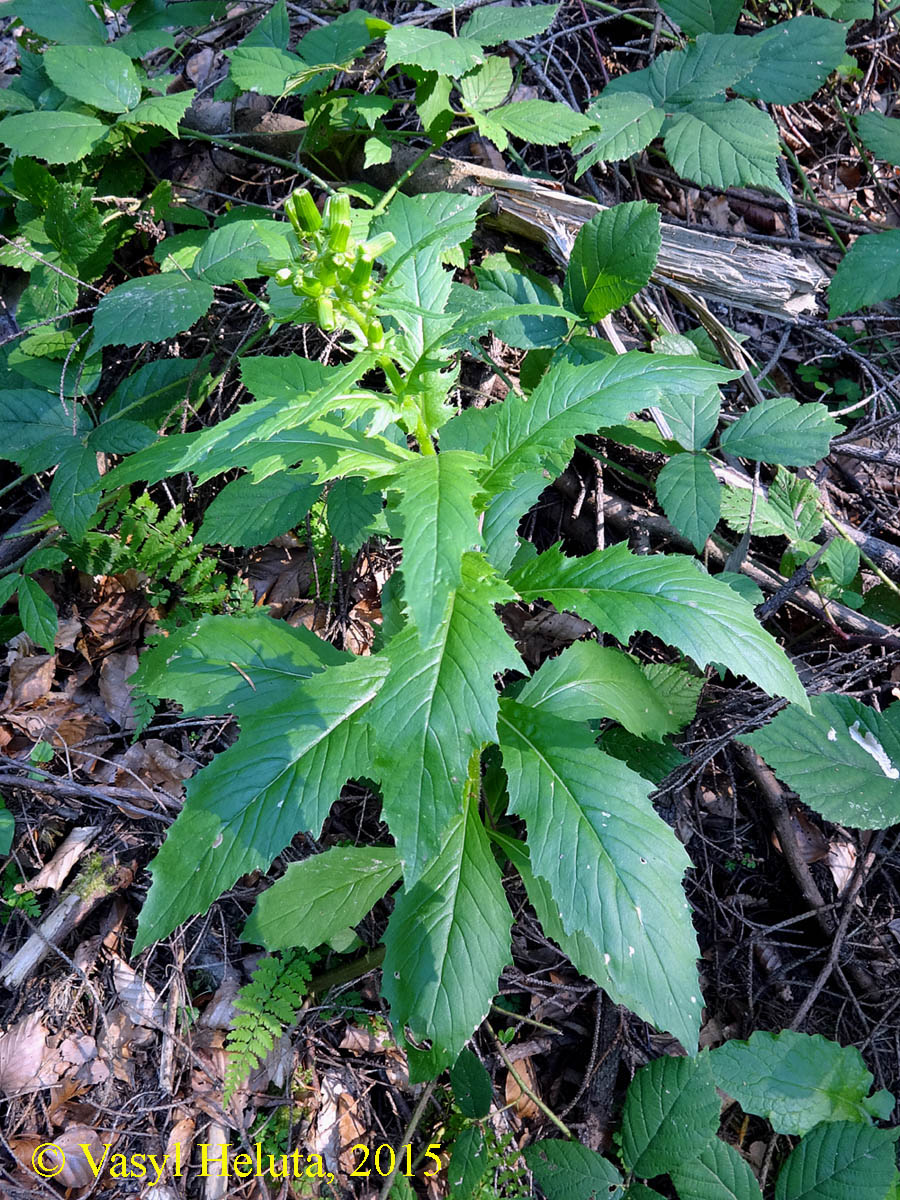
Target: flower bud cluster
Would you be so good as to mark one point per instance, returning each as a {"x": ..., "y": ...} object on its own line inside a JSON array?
[{"x": 330, "y": 266}]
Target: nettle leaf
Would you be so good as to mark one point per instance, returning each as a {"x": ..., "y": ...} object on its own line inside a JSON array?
[
  {"x": 671, "y": 1114},
  {"x": 150, "y": 309},
  {"x": 431, "y": 50},
  {"x": 842, "y": 758},
  {"x": 498, "y": 23},
  {"x": 839, "y": 1159},
  {"x": 71, "y": 492},
  {"x": 234, "y": 250},
  {"x": 680, "y": 77},
  {"x": 780, "y": 430},
  {"x": 71, "y": 21},
  {"x": 100, "y": 76},
  {"x": 794, "y": 1080},
  {"x": 881, "y": 135},
  {"x": 867, "y": 274},
  {"x": 446, "y": 943},
  {"x": 220, "y": 665},
  {"x": 571, "y": 400},
  {"x": 263, "y": 69},
  {"x": 795, "y": 59},
  {"x": 321, "y": 896},
  {"x": 439, "y": 525},
  {"x": 273, "y": 30},
  {"x": 251, "y": 512},
  {"x": 281, "y": 776},
  {"x": 541, "y": 122},
  {"x": 53, "y": 137},
  {"x": 622, "y": 124},
  {"x": 690, "y": 495},
  {"x": 703, "y": 16},
  {"x": 790, "y": 510},
  {"x": 37, "y": 613},
  {"x": 724, "y": 145},
  {"x": 614, "y": 873},
  {"x": 612, "y": 259},
  {"x": 439, "y": 706},
  {"x": 719, "y": 1173},
  {"x": 692, "y": 416},
  {"x": 488, "y": 85},
  {"x": 164, "y": 111},
  {"x": 668, "y": 596},
  {"x": 571, "y": 1171},
  {"x": 588, "y": 681},
  {"x": 842, "y": 560}
]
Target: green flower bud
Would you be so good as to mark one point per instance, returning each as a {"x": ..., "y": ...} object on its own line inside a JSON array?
[
  {"x": 337, "y": 211},
  {"x": 377, "y": 246},
  {"x": 325, "y": 314},
  {"x": 302, "y": 212},
  {"x": 284, "y": 276},
  {"x": 361, "y": 273},
  {"x": 375, "y": 334}
]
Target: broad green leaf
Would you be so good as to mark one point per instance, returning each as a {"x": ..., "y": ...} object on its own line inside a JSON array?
[
  {"x": 503, "y": 287},
  {"x": 845, "y": 10},
  {"x": 447, "y": 942},
  {"x": 541, "y": 122},
  {"x": 233, "y": 251},
  {"x": 679, "y": 77},
  {"x": 842, "y": 560},
  {"x": 249, "y": 512},
  {"x": 571, "y": 1171},
  {"x": 472, "y": 1091},
  {"x": 671, "y": 1114},
  {"x": 692, "y": 416},
  {"x": 469, "y": 1162},
  {"x": 790, "y": 510},
  {"x": 653, "y": 760},
  {"x": 570, "y": 400},
  {"x": 74, "y": 503},
  {"x": 640, "y": 1191},
  {"x": 795, "y": 59},
  {"x": 281, "y": 776},
  {"x": 35, "y": 428},
  {"x": 690, "y": 495},
  {"x": 72, "y": 223},
  {"x": 7, "y": 828},
  {"x": 320, "y": 896},
  {"x": 342, "y": 39},
  {"x": 431, "y": 50},
  {"x": 503, "y": 515},
  {"x": 267, "y": 377},
  {"x": 794, "y": 1080},
  {"x": 719, "y": 1173},
  {"x": 881, "y": 135},
  {"x": 149, "y": 309},
  {"x": 488, "y": 85},
  {"x": 724, "y": 145},
  {"x": 120, "y": 436},
  {"x": 54, "y": 137},
  {"x": 154, "y": 390},
  {"x": 612, "y": 259},
  {"x": 837, "y": 1160},
  {"x": 221, "y": 665},
  {"x": 100, "y": 76},
  {"x": 439, "y": 706},
  {"x": 867, "y": 274},
  {"x": 780, "y": 430},
  {"x": 497, "y": 23},
  {"x": 669, "y": 596},
  {"x": 588, "y": 681},
  {"x": 439, "y": 526},
  {"x": 273, "y": 30},
  {"x": 50, "y": 292},
  {"x": 352, "y": 512},
  {"x": 613, "y": 865},
  {"x": 263, "y": 69},
  {"x": 37, "y": 613},
  {"x": 621, "y": 125},
  {"x": 71, "y": 21},
  {"x": 13, "y": 101},
  {"x": 842, "y": 758},
  {"x": 703, "y": 16},
  {"x": 164, "y": 111}
]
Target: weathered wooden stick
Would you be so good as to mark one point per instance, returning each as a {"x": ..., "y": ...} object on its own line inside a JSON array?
[{"x": 720, "y": 269}]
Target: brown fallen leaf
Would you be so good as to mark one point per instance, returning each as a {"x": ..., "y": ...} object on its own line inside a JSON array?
[
  {"x": 77, "y": 1171},
  {"x": 136, "y": 996},
  {"x": 115, "y": 692},
  {"x": 811, "y": 841},
  {"x": 30, "y": 678},
  {"x": 521, "y": 1103},
  {"x": 28, "y": 1057}
]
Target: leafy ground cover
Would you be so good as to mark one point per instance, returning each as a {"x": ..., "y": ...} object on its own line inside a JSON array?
[{"x": 450, "y": 720}]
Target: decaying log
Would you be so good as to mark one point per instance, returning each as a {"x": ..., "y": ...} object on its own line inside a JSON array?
[{"x": 720, "y": 269}]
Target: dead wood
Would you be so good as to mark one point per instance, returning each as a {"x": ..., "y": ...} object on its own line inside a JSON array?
[{"x": 718, "y": 268}]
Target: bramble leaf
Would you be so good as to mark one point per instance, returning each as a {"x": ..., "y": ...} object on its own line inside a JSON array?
[
  {"x": 566, "y": 1170},
  {"x": 779, "y": 430},
  {"x": 149, "y": 309},
  {"x": 53, "y": 137},
  {"x": 724, "y": 145},
  {"x": 718, "y": 1173},
  {"x": 671, "y": 1114},
  {"x": 612, "y": 259},
  {"x": 621, "y": 125},
  {"x": 703, "y": 16},
  {"x": 795, "y": 59},
  {"x": 867, "y": 274},
  {"x": 498, "y": 23},
  {"x": 100, "y": 76},
  {"x": 840, "y": 1159},
  {"x": 881, "y": 135},
  {"x": 691, "y": 496}
]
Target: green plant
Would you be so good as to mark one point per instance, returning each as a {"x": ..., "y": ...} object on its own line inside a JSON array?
[
  {"x": 806, "y": 1086},
  {"x": 482, "y": 1163},
  {"x": 266, "y": 1006},
  {"x": 12, "y": 898}
]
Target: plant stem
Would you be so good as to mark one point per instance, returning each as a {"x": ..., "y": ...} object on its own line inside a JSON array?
[
  {"x": 348, "y": 972},
  {"x": 407, "y": 1134},
  {"x": 886, "y": 579},
  {"x": 413, "y": 167},
  {"x": 260, "y": 155},
  {"x": 526, "y": 1090},
  {"x": 811, "y": 197}
]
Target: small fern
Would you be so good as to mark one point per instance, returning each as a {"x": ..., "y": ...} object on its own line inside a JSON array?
[
  {"x": 134, "y": 536},
  {"x": 266, "y": 1007}
]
